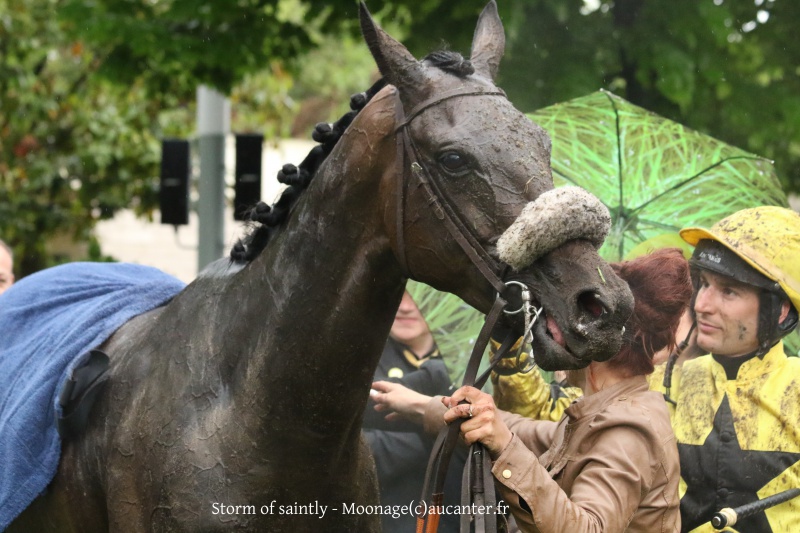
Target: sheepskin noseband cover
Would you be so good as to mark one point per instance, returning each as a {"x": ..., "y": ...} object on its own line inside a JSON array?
[{"x": 555, "y": 217}]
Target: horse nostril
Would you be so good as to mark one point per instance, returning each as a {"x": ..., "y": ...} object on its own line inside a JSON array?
[{"x": 591, "y": 303}]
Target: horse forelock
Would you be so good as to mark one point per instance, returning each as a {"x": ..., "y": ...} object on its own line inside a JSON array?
[{"x": 450, "y": 62}]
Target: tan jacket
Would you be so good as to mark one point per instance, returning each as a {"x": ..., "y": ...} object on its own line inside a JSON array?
[{"x": 611, "y": 465}]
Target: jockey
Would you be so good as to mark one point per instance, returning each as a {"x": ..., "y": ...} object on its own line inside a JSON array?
[{"x": 736, "y": 412}]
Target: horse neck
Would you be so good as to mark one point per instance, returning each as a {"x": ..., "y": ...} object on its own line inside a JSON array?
[{"x": 327, "y": 287}]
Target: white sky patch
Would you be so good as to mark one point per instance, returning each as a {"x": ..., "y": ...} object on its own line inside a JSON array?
[{"x": 590, "y": 6}]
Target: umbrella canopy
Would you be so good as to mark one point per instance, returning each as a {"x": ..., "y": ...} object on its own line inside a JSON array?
[
  {"x": 454, "y": 324},
  {"x": 655, "y": 176}
]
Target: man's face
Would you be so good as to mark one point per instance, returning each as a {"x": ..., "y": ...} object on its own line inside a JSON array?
[
  {"x": 6, "y": 270},
  {"x": 727, "y": 315},
  {"x": 409, "y": 325}
]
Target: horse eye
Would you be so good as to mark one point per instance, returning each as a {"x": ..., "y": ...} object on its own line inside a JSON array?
[{"x": 453, "y": 162}]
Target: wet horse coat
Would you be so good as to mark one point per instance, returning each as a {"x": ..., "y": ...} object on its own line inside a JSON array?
[{"x": 248, "y": 388}]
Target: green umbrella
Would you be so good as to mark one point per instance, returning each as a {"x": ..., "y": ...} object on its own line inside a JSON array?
[
  {"x": 655, "y": 175},
  {"x": 455, "y": 325}
]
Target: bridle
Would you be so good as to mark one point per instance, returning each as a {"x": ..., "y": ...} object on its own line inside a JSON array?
[
  {"x": 477, "y": 483},
  {"x": 438, "y": 200}
]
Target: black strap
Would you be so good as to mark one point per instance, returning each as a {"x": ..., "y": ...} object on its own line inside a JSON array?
[
  {"x": 486, "y": 264},
  {"x": 79, "y": 392},
  {"x": 446, "y": 440},
  {"x": 400, "y": 193}
]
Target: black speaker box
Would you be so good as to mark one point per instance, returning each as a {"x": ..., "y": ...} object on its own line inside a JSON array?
[
  {"x": 173, "y": 195},
  {"x": 247, "y": 186}
]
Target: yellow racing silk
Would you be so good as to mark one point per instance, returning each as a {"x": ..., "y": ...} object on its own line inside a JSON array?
[
  {"x": 738, "y": 440},
  {"x": 528, "y": 394}
]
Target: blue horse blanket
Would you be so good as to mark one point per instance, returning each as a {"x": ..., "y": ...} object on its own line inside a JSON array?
[{"x": 48, "y": 323}]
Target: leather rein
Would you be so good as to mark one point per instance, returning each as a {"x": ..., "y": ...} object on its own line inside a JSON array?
[{"x": 477, "y": 481}]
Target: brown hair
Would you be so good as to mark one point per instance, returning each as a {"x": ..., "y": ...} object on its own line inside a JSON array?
[{"x": 661, "y": 288}]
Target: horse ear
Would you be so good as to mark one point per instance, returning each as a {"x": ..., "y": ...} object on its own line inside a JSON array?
[
  {"x": 488, "y": 42},
  {"x": 395, "y": 62}
]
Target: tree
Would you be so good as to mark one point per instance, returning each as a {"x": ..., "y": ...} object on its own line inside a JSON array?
[
  {"x": 728, "y": 68},
  {"x": 80, "y": 129},
  {"x": 73, "y": 149},
  {"x": 86, "y": 96}
]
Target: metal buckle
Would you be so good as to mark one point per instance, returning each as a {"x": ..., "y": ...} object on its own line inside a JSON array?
[{"x": 531, "y": 315}]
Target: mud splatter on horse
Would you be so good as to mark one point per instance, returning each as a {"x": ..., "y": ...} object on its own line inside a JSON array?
[{"x": 249, "y": 386}]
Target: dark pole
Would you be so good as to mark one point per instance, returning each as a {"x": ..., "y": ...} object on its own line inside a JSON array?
[{"x": 728, "y": 517}]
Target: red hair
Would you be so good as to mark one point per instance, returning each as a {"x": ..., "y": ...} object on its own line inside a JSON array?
[{"x": 661, "y": 287}]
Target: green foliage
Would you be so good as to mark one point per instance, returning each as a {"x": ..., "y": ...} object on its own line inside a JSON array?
[
  {"x": 174, "y": 45},
  {"x": 728, "y": 68},
  {"x": 72, "y": 149}
]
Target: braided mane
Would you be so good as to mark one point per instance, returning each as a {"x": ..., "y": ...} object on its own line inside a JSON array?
[{"x": 263, "y": 219}]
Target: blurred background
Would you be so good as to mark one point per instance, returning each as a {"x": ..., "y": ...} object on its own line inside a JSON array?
[{"x": 90, "y": 88}]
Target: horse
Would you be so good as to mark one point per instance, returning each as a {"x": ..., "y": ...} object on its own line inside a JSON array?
[{"x": 238, "y": 404}]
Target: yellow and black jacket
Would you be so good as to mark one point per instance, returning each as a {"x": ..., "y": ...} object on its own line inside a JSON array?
[{"x": 738, "y": 440}]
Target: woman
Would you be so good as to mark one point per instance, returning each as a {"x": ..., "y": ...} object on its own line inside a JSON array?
[{"x": 611, "y": 463}]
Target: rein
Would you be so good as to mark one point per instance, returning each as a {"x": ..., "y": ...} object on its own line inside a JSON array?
[{"x": 477, "y": 484}]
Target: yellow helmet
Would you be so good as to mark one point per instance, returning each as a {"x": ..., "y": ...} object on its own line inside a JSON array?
[{"x": 767, "y": 238}]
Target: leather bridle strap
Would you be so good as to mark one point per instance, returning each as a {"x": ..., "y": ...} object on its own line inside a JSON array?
[
  {"x": 400, "y": 193},
  {"x": 446, "y": 440},
  {"x": 441, "y": 97},
  {"x": 442, "y": 209},
  {"x": 489, "y": 268}
]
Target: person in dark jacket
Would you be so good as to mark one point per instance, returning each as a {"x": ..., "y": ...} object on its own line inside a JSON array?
[{"x": 400, "y": 448}]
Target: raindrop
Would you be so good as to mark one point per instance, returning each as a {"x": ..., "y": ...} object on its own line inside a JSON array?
[
  {"x": 749, "y": 26},
  {"x": 762, "y": 16},
  {"x": 718, "y": 2}
]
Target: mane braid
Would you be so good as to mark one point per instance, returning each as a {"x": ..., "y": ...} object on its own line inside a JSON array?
[
  {"x": 262, "y": 219},
  {"x": 451, "y": 62}
]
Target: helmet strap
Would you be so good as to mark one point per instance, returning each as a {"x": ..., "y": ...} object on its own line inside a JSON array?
[{"x": 769, "y": 312}]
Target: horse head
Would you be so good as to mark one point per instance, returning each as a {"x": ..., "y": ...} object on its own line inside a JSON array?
[{"x": 471, "y": 163}]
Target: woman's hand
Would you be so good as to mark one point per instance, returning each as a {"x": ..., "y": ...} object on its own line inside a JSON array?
[
  {"x": 482, "y": 423},
  {"x": 402, "y": 401}
]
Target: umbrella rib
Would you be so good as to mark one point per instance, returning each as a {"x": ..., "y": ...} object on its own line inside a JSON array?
[
  {"x": 564, "y": 176},
  {"x": 689, "y": 179},
  {"x": 619, "y": 151},
  {"x": 659, "y": 225}
]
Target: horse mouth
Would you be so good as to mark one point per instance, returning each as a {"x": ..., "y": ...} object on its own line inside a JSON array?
[
  {"x": 550, "y": 344},
  {"x": 550, "y": 348},
  {"x": 554, "y": 332}
]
